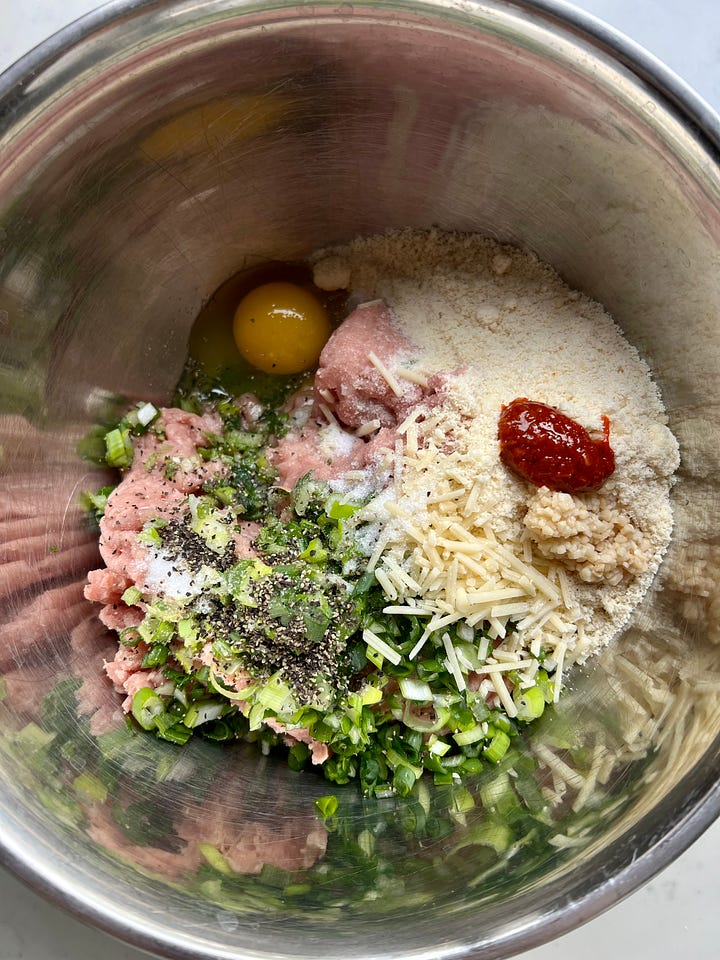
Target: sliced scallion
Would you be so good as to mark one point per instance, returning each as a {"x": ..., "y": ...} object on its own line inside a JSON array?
[
  {"x": 187, "y": 630},
  {"x": 530, "y": 703},
  {"x": 118, "y": 448},
  {"x": 404, "y": 779},
  {"x": 202, "y": 711},
  {"x": 413, "y": 689},
  {"x": 245, "y": 694},
  {"x": 147, "y": 707},
  {"x": 315, "y": 552},
  {"x": 465, "y": 737},
  {"x": 370, "y": 694},
  {"x": 146, "y": 413},
  {"x": 131, "y": 596},
  {"x": 497, "y": 748},
  {"x": 274, "y": 694},
  {"x": 155, "y": 657},
  {"x": 340, "y": 511},
  {"x": 150, "y": 537}
]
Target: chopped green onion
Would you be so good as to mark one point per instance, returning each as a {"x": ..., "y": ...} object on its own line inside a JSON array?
[
  {"x": 478, "y": 732},
  {"x": 156, "y": 631},
  {"x": 118, "y": 448},
  {"x": 442, "y": 716},
  {"x": 146, "y": 413},
  {"x": 413, "y": 689},
  {"x": 246, "y": 693},
  {"x": 315, "y": 552},
  {"x": 256, "y": 716},
  {"x": 274, "y": 694},
  {"x": 471, "y": 765},
  {"x": 131, "y": 596},
  {"x": 396, "y": 760},
  {"x": 298, "y": 756},
  {"x": 497, "y": 747},
  {"x": 147, "y": 707},
  {"x": 155, "y": 657},
  {"x": 187, "y": 630},
  {"x": 366, "y": 581},
  {"x": 370, "y": 694},
  {"x": 374, "y": 657},
  {"x": 501, "y": 722},
  {"x": 95, "y": 503},
  {"x": 530, "y": 703},
  {"x": 404, "y": 779},
  {"x": 150, "y": 537},
  {"x": 337, "y": 510},
  {"x": 224, "y": 494},
  {"x": 201, "y": 711},
  {"x": 168, "y": 728}
]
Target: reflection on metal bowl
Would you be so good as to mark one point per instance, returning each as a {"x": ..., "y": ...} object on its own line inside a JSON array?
[{"x": 148, "y": 154}]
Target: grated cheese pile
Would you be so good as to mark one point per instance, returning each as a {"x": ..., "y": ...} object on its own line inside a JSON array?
[
  {"x": 444, "y": 554},
  {"x": 457, "y": 538}
]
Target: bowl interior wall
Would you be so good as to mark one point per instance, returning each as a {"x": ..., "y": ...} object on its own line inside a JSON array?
[{"x": 162, "y": 154}]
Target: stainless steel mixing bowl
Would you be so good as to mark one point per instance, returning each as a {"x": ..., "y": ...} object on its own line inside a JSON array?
[{"x": 149, "y": 152}]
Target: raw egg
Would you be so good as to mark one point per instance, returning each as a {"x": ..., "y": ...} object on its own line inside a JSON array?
[{"x": 281, "y": 328}]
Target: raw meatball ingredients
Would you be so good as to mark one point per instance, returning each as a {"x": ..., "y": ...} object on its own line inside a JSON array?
[{"x": 391, "y": 568}]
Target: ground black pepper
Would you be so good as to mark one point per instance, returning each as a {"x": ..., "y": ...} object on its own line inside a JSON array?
[{"x": 264, "y": 644}]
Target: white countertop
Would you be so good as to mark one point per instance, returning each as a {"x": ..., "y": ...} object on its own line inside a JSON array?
[{"x": 677, "y": 913}]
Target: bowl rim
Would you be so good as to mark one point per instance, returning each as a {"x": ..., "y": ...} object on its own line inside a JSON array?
[{"x": 693, "y": 810}]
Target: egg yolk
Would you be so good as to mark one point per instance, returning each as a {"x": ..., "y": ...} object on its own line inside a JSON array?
[{"x": 281, "y": 328}]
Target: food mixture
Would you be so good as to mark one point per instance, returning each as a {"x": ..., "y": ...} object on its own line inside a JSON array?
[{"x": 390, "y": 567}]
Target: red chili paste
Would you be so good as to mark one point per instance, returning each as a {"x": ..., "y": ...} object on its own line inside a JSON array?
[{"x": 542, "y": 445}]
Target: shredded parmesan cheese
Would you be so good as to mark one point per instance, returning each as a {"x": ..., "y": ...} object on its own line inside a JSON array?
[
  {"x": 385, "y": 374},
  {"x": 367, "y": 428},
  {"x": 412, "y": 376}
]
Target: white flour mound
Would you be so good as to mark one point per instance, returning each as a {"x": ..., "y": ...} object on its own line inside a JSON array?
[{"x": 508, "y": 327}]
